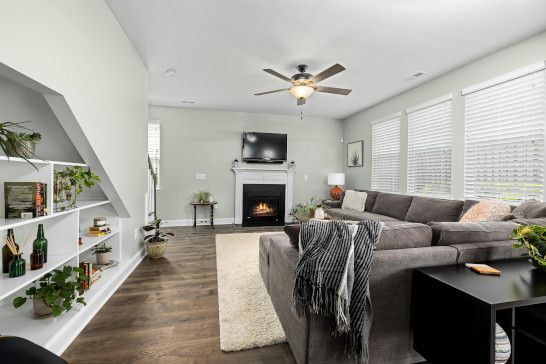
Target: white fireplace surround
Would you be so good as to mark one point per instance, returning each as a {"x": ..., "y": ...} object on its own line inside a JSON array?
[{"x": 263, "y": 176}]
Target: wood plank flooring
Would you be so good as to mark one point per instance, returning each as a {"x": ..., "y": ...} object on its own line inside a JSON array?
[{"x": 167, "y": 311}]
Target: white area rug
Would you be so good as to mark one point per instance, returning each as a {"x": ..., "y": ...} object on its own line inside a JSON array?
[{"x": 247, "y": 317}]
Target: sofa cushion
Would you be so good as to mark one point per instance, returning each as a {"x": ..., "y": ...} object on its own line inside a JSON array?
[
  {"x": 293, "y": 232},
  {"x": 354, "y": 200},
  {"x": 529, "y": 209},
  {"x": 449, "y": 233},
  {"x": 402, "y": 235},
  {"x": 393, "y": 205},
  {"x": 371, "y": 199},
  {"x": 358, "y": 216},
  {"x": 487, "y": 251},
  {"x": 425, "y": 210},
  {"x": 487, "y": 210},
  {"x": 534, "y": 221}
]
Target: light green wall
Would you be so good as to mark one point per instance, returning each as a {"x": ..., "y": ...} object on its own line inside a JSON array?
[
  {"x": 203, "y": 141},
  {"x": 357, "y": 127},
  {"x": 78, "y": 49}
]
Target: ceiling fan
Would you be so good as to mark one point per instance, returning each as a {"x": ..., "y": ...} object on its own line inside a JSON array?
[{"x": 304, "y": 84}]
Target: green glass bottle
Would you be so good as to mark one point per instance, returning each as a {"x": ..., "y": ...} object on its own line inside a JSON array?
[
  {"x": 17, "y": 266},
  {"x": 40, "y": 243},
  {"x": 7, "y": 255}
]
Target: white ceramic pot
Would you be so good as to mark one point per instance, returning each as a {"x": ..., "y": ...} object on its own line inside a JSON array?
[
  {"x": 104, "y": 258},
  {"x": 41, "y": 309}
]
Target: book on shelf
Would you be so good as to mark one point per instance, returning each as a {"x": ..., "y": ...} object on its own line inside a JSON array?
[
  {"x": 110, "y": 264},
  {"x": 99, "y": 228},
  {"x": 98, "y": 231},
  {"x": 25, "y": 199}
]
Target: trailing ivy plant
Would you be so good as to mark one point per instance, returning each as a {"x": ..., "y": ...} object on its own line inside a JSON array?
[
  {"x": 69, "y": 183},
  {"x": 59, "y": 289},
  {"x": 533, "y": 238}
]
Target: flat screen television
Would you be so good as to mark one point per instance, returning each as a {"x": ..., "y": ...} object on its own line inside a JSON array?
[{"x": 264, "y": 147}]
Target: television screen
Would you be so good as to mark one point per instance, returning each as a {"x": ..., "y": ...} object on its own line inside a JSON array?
[{"x": 264, "y": 147}]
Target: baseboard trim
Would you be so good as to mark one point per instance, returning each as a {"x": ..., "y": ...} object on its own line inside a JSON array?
[
  {"x": 189, "y": 222},
  {"x": 60, "y": 341}
]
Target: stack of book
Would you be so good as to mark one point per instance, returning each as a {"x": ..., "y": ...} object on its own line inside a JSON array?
[
  {"x": 25, "y": 199},
  {"x": 95, "y": 231},
  {"x": 92, "y": 272}
]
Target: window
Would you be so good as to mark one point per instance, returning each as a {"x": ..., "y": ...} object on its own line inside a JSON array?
[
  {"x": 504, "y": 137},
  {"x": 154, "y": 148},
  {"x": 386, "y": 154},
  {"x": 429, "y": 148}
]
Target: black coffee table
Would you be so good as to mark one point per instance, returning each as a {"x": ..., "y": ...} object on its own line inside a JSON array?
[{"x": 454, "y": 311}]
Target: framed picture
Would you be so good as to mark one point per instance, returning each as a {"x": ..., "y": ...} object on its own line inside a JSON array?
[{"x": 355, "y": 154}]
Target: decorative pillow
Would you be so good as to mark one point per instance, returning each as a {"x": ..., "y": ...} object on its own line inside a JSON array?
[
  {"x": 487, "y": 210},
  {"x": 293, "y": 232},
  {"x": 529, "y": 209},
  {"x": 354, "y": 200}
]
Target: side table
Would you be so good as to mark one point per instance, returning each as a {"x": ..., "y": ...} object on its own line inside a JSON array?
[{"x": 211, "y": 204}]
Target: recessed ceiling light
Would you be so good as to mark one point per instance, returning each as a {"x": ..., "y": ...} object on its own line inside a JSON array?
[{"x": 171, "y": 72}]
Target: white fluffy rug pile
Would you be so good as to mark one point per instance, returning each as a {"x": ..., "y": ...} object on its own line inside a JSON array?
[{"x": 247, "y": 317}]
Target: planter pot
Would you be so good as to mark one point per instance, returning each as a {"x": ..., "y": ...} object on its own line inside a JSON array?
[
  {"x": 41, "y": 309},
  {"x": 30, "y": 149},
  {"x": 157, "y": 249},
  {"x": 104, "y": 258}
]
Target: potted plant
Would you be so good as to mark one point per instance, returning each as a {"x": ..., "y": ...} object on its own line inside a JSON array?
[
  {"x": 156, "y": 243},
  {"x": 18, "y": 144},
  {"x": 28, "y": 141},
  {"x": 303, "y": 211},
  {"x": 69, "y": 183},
  {"x": 103, "y": 252},
  {"x": 533, "y": 238},
  {"x": 55, "y": 292},
  {"x": 201, "y": 196}
]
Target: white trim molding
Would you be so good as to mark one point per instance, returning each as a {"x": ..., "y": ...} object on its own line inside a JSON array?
[
  {"x": 539, "y": 66},
  {"x": 430, "y": 103},
  {"x": 386, "y": 118}
]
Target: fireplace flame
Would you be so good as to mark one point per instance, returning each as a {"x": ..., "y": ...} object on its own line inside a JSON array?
[{"x": 263, "y": 209}]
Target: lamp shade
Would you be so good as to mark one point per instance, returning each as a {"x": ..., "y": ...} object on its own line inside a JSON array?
[{"x": 336, "y": 179}]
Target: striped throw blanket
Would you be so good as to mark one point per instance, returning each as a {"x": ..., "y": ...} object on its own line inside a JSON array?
[{"x": 331, "y": 278}]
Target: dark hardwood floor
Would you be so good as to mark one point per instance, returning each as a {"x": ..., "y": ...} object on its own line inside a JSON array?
[{"x": 167, "y": 311}]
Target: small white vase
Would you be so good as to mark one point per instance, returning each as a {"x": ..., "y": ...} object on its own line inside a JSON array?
[
  {"x": 319, "y": 213},
  {"x": 104, "y": 258}
]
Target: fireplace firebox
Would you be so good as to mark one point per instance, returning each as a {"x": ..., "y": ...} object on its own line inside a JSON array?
[{"x": 263, "y": 205}]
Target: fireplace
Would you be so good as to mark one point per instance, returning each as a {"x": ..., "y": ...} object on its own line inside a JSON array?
[{"x": 263, "y": 204}]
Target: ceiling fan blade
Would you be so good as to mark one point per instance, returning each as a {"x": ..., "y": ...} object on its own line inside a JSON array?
[
  {"x": 329, "y": 72},
  {"x": 277, "y": 74},
  {"x": 334, "y": 90},
  {"x": 271, "y": 92},
  {"x": 301, "y": 101}
]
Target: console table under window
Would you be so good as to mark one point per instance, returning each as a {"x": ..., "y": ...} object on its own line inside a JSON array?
[{"x": 455, "y": 310}]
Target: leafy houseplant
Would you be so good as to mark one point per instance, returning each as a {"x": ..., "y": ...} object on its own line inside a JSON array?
[
  {"x": 303, "y": 211},
  {"x": 18, "y": 144},
  {"x": 533, "y": 238},
  {"x": 55, "y": 292},
  {"x": 69, "y": 183},
  {"x": 103, "y": 253},
  {"x": 201, "y": 196},
  {"x": 156, "y": 243}
]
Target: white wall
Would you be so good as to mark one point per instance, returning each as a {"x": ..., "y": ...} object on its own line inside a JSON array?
[
  {"x": 357, "y": 127},
  {"x": 204, "y": 141},
  {"x": 77, "y": 48}
]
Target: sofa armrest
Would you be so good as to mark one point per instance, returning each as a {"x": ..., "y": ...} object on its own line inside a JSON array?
[
  {"x": 450, "y": 233},
  {"x": 332, "y": 204}
]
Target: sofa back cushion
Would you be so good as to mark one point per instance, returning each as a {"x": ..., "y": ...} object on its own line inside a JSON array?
[
  {"x": 425, "y": 210},
  {"x": 370, "y": 200},
  {"x": 450, "y": 233},
  {"x": 393, "y": 205},
  {"x": 530, "y": 209},
  {"x": 402, "y": 235}
]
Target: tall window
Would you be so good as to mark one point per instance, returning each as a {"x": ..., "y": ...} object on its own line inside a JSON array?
[
  {"x": 504, "y": 137},
  {"x": 386, "y": 154},
  {"x": 154, "y": 148},
  {"x": 429, "y": 148}
]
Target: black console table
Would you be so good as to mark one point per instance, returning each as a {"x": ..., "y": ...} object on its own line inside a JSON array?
[
  {"x": 454, "y": 311},
  {"x": 210, "y": 204}
]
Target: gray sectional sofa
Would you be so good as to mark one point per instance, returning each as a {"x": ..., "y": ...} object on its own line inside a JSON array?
[{"x": 418, "y": 232}]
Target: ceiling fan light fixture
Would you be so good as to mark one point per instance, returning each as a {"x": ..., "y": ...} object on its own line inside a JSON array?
[{"x": 301, "y": 91}]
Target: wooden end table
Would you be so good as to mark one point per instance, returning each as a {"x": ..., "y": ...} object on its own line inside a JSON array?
[
  {"x": 454, "y": 312},
  {"x": 210, "y": 204}
]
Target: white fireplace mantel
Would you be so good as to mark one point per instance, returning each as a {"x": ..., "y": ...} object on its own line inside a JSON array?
[{"x": 262, "y": 175}]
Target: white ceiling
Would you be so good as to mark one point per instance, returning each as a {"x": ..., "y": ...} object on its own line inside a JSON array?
[{"x": 219, "y": 47}]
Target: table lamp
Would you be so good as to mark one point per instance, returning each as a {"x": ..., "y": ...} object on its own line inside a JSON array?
[{"x": 336, "y": 180}]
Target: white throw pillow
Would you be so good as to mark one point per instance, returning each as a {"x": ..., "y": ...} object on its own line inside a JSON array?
[{"x": 354, "y": 200}]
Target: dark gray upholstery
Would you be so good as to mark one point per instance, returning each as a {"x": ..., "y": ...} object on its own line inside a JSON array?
[
  {"x": 264, "y": 259},
  {"x": 400, "y": 235},
  {"x": 533, "y": 221},
  {"x": 370, "y": 199},
  {"x": 333, "y": 204},
  {"x": 357, "y": 215},
  {"x": 393, "y": 205},
  {"x": 487, "y": 251},
  {"x": 530, "y": 209},
  {"x": 425, "y": 210},
  {"x": 449, "y": 233},
  {"x": 466, "y": 206}
]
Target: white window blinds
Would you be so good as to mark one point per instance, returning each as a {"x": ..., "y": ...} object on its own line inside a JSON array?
[
  {"x": 386, "y": 154},
  {"x": 504, "y": 139},
  {"x": 154, "y": 148},
  {"x": 429, "y": 148}
]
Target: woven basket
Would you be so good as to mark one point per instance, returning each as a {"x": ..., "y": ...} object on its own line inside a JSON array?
[{"x": 156, "y": 250}]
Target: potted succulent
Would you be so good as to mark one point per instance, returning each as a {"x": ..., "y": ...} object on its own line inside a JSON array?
[
  {"x": 201, "y": 196},
  {"x": 18, "y": 144},
  {"x": 69, "y": 183},
  {"x": 103, "y": 252},
  {"x": 156, "y": 243},
  {"x": 304, "y": 211},
  {"x": 533, "y": 238},
  {"x": 55, "y": 292}
]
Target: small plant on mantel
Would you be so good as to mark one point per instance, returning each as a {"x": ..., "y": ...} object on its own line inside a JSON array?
[
  {"x": 156, "y": 243},
  {"x": 55, "y": 292}
]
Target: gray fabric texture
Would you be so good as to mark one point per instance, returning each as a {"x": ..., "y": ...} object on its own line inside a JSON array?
[
  {"x": 466, "y": 206},
  {"x": 487, "y": 251},
  {"x": 449, "y": 233},
  {"x": 529, "y": 209},
  {"x": 425, "y": 210},
  {"x": 358, "y": 216},
  {"x": 264, "y": 259},
  {"x": 332, "y": 204},
  {"x": 293, "y": 232},
  {"x": 370, "y": 200},
  {"x": 393, "y": 205},
  {"x": 401, "y": 234},
  {"x": 533, "y": 221}
]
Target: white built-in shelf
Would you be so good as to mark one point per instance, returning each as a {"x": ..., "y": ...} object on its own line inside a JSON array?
[
  {"x": 11, "y": 285},
  {"x": 91, "y": 241},
  {"x": 40, "y": 161},
  {"x": 82, "y": 205}
]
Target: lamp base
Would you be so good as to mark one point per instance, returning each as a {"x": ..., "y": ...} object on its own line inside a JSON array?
[{"x": 335, "y": 193}]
